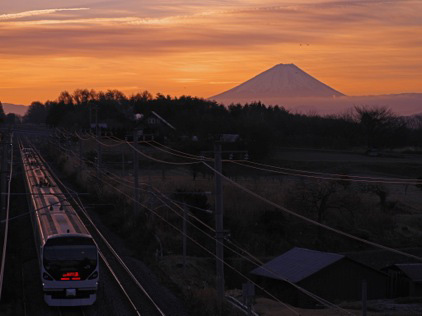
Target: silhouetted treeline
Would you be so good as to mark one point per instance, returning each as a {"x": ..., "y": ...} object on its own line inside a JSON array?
[
  {"x": 2, "y": 114},
  {"x": 261, "y": 127}
]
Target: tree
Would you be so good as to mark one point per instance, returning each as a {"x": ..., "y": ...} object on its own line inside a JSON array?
[
  {"x": 379, "y": 190},
  {"x": 12, "y": 118},
  {"x": 65, "y": 98},
  {"x": 2, "y": 114},
  {"x": 81, "y": 96},
  {"x": 380, "y": 125},
  {"x": 36, "y": 113}
]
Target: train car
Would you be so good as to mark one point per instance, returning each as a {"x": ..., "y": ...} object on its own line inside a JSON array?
[{"x": 68, "y": 256}]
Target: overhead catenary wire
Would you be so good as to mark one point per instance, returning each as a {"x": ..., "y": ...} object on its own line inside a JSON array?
[
  {"x": 33, "y": 211},
  {"x": 311, "y": 221},
  {"x": 334, "y": 177},
  {"x": 260, "y": 264},
  {"x": 306, "y": 219},
  {"x": 285, "y": 171},
  {"x": 177, "y": 152},
  {"x": 116, "y": 178},
  {"x": 325, "y": 173},
  {"x": 91, "y": 137},
  {"x": 204, "y": 248},
  {"x": 146, "y": 155},
  {"x": 310, "y": 294},
  {"x": 306, "y": 173},
  {"x": 193, "y": 240},
  {"x": 318, "y": 299},
  {"x": 298, "y": 172},
  {"x": 162, "y": 161},
  {"x": 322, "y": 225},
  {"x": 80, "y": 205},
  {"x": 130, "y": 185}
]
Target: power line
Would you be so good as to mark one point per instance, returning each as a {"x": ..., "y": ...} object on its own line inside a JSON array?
[
  {"x": 311, "y": 221},
  {"x": 163, "y": 161},
  {"x": 190, "y": 238},
  {"x": 318, "y": 299},
  {"x": 287, "y": 171},
  {"x": 148, "y": 156},
  {"x": 33, "y": 211},
  {"x": 327, "y": 176},
  {"x": 101, "y": 235},
  {"x": 314, "y": 222},
  {"x": 324, "y": 175}
]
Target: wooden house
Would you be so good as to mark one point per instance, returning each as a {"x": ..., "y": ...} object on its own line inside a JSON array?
[{"x": 333, "y": 277}]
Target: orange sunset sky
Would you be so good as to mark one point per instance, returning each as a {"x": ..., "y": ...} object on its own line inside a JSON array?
[{"x": 202, "y": 48}]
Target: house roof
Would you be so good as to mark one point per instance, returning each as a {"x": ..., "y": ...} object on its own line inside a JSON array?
[
  {"x": 297, "y": 264},
  {"x": 412, "y": 270}
]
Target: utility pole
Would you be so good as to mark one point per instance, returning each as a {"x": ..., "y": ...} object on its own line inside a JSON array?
[
  {"x": 90, "y": 117},
  {"x": 185, "y": 214},
  {"x": 135, "y": 172},
  {"x": 219, "y": 229},
  {"x": 80, "y": 155},
  {"x": 97, "y": 132},
  {"x": 123, "y": 163},
  {"x": 364, "y": 297},
  {"x": 248, "y": 291}
]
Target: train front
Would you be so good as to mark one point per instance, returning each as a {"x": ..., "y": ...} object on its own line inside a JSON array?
[{"x": 70, "y": 270}]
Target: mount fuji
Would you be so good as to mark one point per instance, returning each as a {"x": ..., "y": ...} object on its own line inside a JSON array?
[
  {"x": 288, "y": 86},
  {"x": 280, "y": 81}
]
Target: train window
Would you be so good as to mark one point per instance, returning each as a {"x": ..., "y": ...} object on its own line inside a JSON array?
[
  {"x": 65, "y": 256},
  {"x": 69, "y": 240},
  {"x": 70, "y": 253}
]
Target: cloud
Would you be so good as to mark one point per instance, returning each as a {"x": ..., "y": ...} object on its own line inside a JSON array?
[
  {"x": 328, "y": 24},
  {"x": 351, "y": 43},
  {"x": 25, "y": 14}
]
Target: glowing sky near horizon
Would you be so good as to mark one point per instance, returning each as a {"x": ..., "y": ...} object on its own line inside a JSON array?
[{"x": 202, "y": 48}]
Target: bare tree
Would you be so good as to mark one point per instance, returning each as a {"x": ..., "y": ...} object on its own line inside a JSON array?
[
  {"x": 379, "y": 124},
  {"x": 380, "y": 191}
]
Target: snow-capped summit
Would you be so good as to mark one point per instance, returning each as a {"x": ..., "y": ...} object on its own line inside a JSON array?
[{"x": 280, "y": 81}]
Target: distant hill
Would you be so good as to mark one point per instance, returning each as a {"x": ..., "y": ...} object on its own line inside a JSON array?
[
  {"x": 14, "y": 108},
  {"x": 288, "y": 86}
]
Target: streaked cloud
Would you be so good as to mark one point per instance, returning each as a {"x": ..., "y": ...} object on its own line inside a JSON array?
[
  {"x": 202, "y": 48},
  {"x": 33, "y": 13}
]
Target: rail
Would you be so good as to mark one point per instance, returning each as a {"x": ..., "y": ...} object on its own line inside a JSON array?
[
  {"x": 6, "y": 229},
  {"x": 137, "y": 296}
]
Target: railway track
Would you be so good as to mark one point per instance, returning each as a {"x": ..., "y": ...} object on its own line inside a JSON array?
[
  {"x": 138, "y": 298},
  {"x": 5, "y": 203}
]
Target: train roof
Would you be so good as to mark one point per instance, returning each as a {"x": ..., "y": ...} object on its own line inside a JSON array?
[
  {"x": 55, "y": 216},
  {"x": 58, "y": 217}
]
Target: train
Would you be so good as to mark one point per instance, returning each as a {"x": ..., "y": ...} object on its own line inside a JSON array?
[{"x": 67, "y": 253}]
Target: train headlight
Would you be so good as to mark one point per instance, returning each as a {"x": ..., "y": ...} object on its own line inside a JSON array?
[
  {"x": 45, "y": 276},
  {"x": 93, "y": 276}
]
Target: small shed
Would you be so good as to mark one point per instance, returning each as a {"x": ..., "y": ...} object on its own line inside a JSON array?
[
  {"x": 405, "y": 279},
  {"x": 331, "y": 276}
]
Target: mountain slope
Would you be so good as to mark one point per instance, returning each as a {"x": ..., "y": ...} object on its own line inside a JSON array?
[
  {"x": 14, "y": 108},
  {"x": 280, "y": 81}
]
